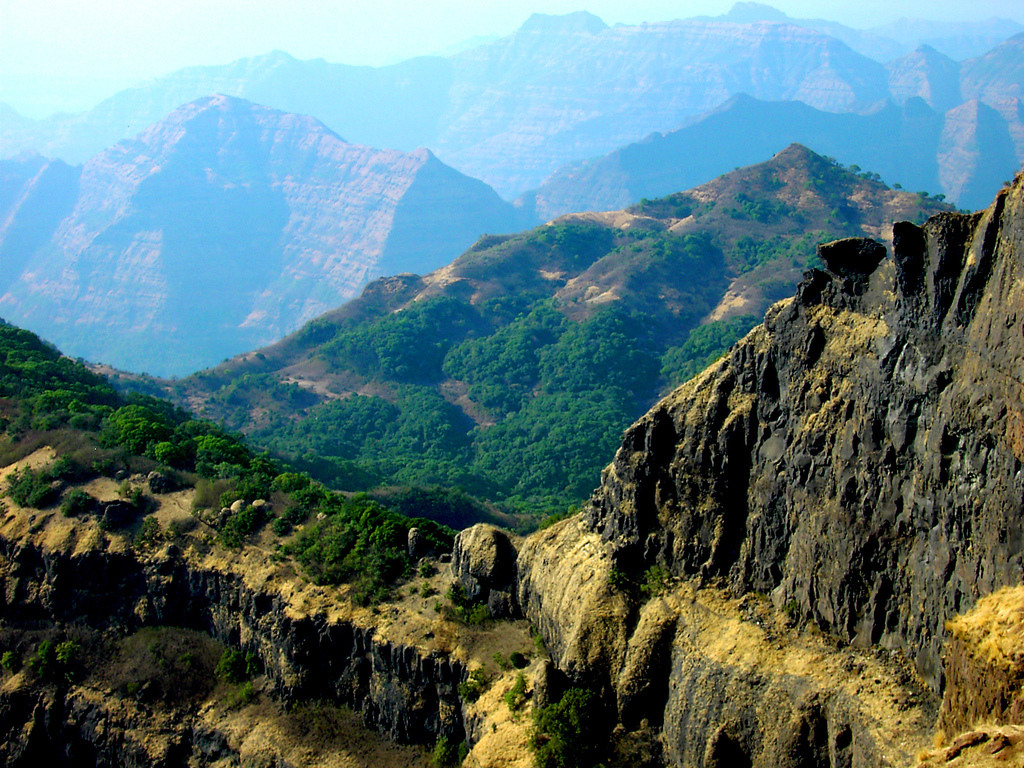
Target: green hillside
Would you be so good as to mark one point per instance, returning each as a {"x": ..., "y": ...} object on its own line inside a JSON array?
[
  {"x": 53, "y": 404},
  {"x": 512, "y": 372}
]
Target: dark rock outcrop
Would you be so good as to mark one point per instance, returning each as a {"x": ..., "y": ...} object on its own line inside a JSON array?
[
  {"x": 409, "y": 695},
  {"x": 860, "y": 453},
  {"x": 858, "y": 459}
]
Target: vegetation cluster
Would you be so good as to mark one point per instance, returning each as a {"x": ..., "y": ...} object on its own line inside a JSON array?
[{"x": 47, "y": 399}]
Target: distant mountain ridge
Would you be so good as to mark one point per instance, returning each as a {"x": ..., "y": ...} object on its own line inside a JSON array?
[
  {"x": 512, "y": 111},
  {"x": 965, "y": 153},
  {"x": 221, "y": 228}
]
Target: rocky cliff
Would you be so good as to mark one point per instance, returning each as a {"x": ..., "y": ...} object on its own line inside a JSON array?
[{"x": 856, "y": 460}]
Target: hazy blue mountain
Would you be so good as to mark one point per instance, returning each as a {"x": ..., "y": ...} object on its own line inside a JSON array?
[
  {"x": 927, "y": 74},
  {"x": 965, "y": 153},
  {"x": 223, "y": 227},
  {"x": 957, "y": 39},
  {"x": 512, "y": 111},
  {"x": 565, "y": 88},
  {"x": 997, "y": 75}
]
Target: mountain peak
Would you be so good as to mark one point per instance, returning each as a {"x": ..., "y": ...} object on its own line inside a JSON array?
[
  {"x": 748, "y": 13},
  {"x": 570, "y": 23}
]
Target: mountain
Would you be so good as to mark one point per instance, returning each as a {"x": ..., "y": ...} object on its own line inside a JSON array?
[
  {"x": 537, "y": 349},
  {"x": 911, "y": 145},
  {"x": 929, "y": 75},
  {"x": 560, "y": 89},
  {"x": 997, "y": 76},
  {"x": 957, "y": 39},
  {"x": 511, "y": 111},
  {"x": 810, "y": 554},
  {"x": 221, "y": 228}
]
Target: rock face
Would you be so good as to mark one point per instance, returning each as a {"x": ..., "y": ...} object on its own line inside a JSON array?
[
  {"x": 220, "y": 229},
  {"x": 857, "y": 459},
  {"x": 408, "y": 695},
  {"x": 984, "y": 664}
]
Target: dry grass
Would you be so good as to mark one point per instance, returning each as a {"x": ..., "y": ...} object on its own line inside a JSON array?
[{"x": 994, "y": 628}]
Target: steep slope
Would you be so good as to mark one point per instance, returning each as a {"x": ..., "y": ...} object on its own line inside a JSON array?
[
  {"x": 221, "y": 228},
  {"x": 857, "y": 459},
  {"x": 540, "y": 348}
]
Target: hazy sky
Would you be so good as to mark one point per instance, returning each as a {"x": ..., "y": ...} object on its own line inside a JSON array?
[{"x": 69, "y": 54}]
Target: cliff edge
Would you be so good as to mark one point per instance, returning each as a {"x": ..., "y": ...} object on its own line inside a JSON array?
[{"x": 853, "y": 466}]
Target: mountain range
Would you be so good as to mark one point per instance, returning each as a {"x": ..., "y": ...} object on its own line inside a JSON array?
[
  {"x": 535, "y": 350},
  {"x": 967, "y": 151},
  {"x": 809, "y": 554},
  {"x": 558, "y": 90},
  {"x": 219, "y": 229}
]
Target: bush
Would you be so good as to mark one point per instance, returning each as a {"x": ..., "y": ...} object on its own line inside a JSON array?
[
  {"x": 237, "y": 667},
  {"x": 656, "y": 579},
  {"x": 568, "y": 734},
  {"x": 473, "y": 687},
  {"x": 515, "y": 697},
  {"x": 77, "y": 502},
  {"x": 55, "y": 661},
  {"x": 241, "y": 525},
  {"x": 150, "y": 534},
  {"x": 448, "y": 754},
  {"x": 27, "y": 488},
  {"x": 461, "y": 608}
]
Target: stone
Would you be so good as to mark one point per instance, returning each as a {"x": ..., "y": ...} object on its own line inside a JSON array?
[
  {"x": 416, "y": 544},
  {"x": 484, "y": 559}
]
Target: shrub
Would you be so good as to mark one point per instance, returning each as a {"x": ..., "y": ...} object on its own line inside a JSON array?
[
  {"x": 150, "y": 534},
  {"x": 27, "y": 488},
  {"x": 515, "y": 696},
  {"x": 448, "y": 754},
  {"x": 473, "y": 687},
  {"x": 55, "y": 661},
  {"x": 656, "y": 579},
  {"x": 241, "y": 525},
  {"x": 237, "y": 667},
  {"x": 77, "y": 502},
  {"x": 461, "y": 608},
  {"x": 568, "y": 734}
]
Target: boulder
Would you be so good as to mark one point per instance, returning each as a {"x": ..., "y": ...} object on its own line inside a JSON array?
[{"x": 484, "y": 560}]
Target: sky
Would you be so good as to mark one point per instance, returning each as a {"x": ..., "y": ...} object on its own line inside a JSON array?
[{"x": 67, "y": 55}]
